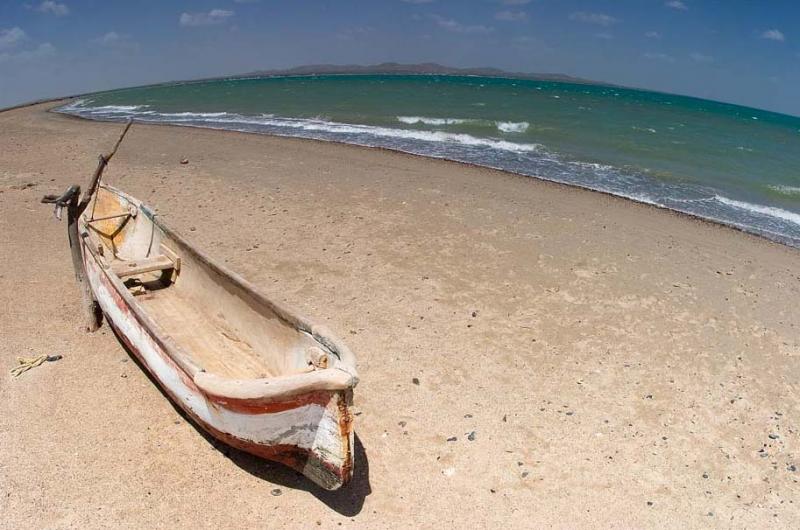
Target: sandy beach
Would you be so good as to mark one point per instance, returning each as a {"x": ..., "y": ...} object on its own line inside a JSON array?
[{"x": 600, "y": 363}]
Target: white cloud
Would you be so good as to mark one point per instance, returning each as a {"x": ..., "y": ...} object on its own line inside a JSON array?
[
  {"x": 213, "y": 17},
  {"x": 456, "y": 27},
  {"x": 110, "y": 38},
  {"x": 659, "y": 57},
  {"x": 11, "y": 37},
  {"x": 45, "y": 49},
  {"x": 53, "y": 8},
  {"x": 511, "y": 16},
  {"x": 604, "y": 35},
  {"x": 600, "y": 19},
  {"x": 115, "y": 40},
  {"x": 676, "y": 4},
  {"x": 653, "y": 35},
  {"x": 42, "y": 51},
  {"x": 774, "y": 34},
  {"x": 701, "y": 58}
]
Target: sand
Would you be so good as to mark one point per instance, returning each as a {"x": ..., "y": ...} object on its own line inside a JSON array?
[{"x": 618, "y": 365}]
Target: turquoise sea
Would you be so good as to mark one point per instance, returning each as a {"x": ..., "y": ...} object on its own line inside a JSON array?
[{"x": 732, "y": 164}]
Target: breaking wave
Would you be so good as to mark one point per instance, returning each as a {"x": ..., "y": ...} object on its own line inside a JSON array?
[
  {"x": 770, "y": 211},
  {"x": 413, "y": 120},
  {"x": 502, "y": 126},
  {"x": 513, "y": 127},
  {"x": 111, "y": 109},
  {"x": 290, "y": 126},
  {"x": 786, "y": 190}
]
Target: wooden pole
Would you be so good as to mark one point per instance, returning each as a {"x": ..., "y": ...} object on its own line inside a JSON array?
[
  {"x": 69, "y": 200},
  {"x": 98, "y": 172},
  {"x": 76, "y": 205},
  {"x": 93, "y": 316}
]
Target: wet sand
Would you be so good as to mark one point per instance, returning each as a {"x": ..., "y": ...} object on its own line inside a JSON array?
[{"x": 619, "y": 365}]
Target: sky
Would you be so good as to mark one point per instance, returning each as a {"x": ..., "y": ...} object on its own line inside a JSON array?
[{"x": 745, "y": 52}]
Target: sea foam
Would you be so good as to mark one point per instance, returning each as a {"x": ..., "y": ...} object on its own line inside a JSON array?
[
  {"x": 413, "y": 120},
  {"x": 110, "y": 109},
  {"x": 502, "y": 126},
  {"x": 786, "y": 190},
  {"x": 277, "y": 123},
  {"x": 513, "y": 127},
  {"x": 770, "y": 211}
]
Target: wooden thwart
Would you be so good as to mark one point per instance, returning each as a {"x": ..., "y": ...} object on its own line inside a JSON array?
[
  {"x": 169, "y": 253},
  {"x": 124, "y": 269}
]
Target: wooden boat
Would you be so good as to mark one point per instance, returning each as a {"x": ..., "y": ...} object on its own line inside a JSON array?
[{"x": 252, "y": 373}]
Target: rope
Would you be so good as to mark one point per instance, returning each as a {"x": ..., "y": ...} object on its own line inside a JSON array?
[{"x": 26, "y": 363}]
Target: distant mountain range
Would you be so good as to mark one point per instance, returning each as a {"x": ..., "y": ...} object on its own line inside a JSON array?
[{"x": 406, "y": 69}]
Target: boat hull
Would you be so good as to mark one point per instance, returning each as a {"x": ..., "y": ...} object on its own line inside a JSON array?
[{"x": 310, "y": 432}]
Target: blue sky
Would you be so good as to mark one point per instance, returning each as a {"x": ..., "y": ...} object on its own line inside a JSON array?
[{"x": 746, "y": 52}]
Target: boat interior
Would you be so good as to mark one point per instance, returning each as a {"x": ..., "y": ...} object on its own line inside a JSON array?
[{"x": 223, "y": 327}]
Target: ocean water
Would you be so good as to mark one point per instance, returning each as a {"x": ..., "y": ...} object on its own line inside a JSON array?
[{"x": 732, "y": 164}]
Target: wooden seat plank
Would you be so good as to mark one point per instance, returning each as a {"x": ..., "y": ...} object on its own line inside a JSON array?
[{"x": 140, "y": 266}]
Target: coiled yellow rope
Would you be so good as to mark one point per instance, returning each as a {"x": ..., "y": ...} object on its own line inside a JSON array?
[{"x": 26, "y": 363}]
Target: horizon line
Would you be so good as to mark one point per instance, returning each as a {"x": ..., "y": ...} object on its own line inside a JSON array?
[{"x": 455, "y": 72}]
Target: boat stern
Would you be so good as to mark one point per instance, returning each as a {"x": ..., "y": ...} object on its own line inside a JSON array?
[
  {"x": 329, "y": 462},
  {"x": 311, "y": 433}
]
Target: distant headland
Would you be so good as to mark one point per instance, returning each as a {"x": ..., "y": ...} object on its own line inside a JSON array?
[{"x": 411, "y": 69}]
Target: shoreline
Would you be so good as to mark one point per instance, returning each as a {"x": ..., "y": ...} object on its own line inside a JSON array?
[
  {"x": 709, "y": 220},
  {"x": 533, "y": 352}
]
